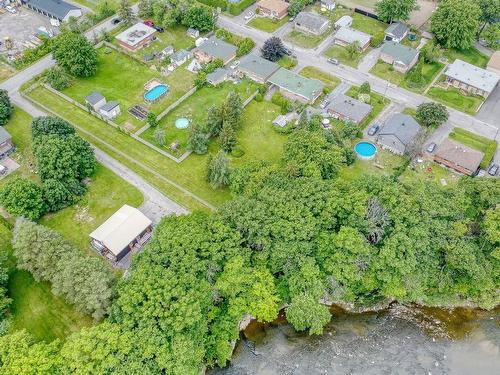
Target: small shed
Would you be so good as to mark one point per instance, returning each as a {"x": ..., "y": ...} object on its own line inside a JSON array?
[
  {"x": 193, "y": 33},
  {"x": 180, "y": 57},
  {"x": 328, "y": 4},
  {"x": 95, "y": 100},
  {"x": 396, "y": 32},
  {"x": 110, "y": 110},
  {"x": 344, "y": 21},
  {"x": 218, "y": 76}
]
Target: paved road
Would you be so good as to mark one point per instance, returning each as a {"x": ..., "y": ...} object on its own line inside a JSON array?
[{"x": 353, "y": 76}]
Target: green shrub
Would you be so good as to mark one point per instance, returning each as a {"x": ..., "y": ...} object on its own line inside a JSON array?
[
  {"x": 237, "y": 8},
  {"x": 215, "y": 3},
  {"x": 238, "y": 152},
  {"x": 377, "y": 39}
]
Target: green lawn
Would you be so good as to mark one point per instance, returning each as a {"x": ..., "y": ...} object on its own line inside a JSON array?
[
  {"x": 429, "y": 72},
  {"x": 121, "y": 78},
  {"x": 377, "y": 101},
  {"x": 106, "y": 194},
  {"x": 287, "y": 62},
  {"x": 472, "y": 56},
  {"x": 329, "y": 80},
  {"x": 305, "y": 40},
  {"x": 387, "y": 72},
  {"x": 195, "y": 109},
  {"x": 367, "y": 24},
  {"x": 455, "y": 99},
  {"x": 383, "y": 164},
  {"x": 340, "y": 53},
  {"x": 431, "y": 172},
  {"x": 485, "y": 145},
  {"x": 93, "y": 4},
  {"x": 267, "y": 24},
  {"x": 6, "y": 71}
]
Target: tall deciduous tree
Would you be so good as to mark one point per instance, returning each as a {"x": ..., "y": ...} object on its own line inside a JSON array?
[
  {"x": 432, "y": 114},
  {"x": 395, "y": 10},
  {"x": 125, "y": 12},
  {"x": 490, "y": 13},
  {"x": 76, "y": 54},
  {"x": 456, "y": 22},
  {"x": 46, "y": 125},
  {"x": 23, "y": 197},
  {"x": 273, "y": 49},
  {"x": 199, "y": 17},
  {"x": 6, "y": 107}
]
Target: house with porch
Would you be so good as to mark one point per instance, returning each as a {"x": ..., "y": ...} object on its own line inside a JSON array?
[
  {"x": 127, "y": 230},
  {"x": 346, "y": 36},
  {"x": 471, "y": 78},
  {"x": 311, "y": 23},
  {"x": 274, "y": 9}
]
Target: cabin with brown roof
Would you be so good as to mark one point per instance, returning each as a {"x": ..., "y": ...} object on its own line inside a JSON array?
[{"x": 458, "y": 157}]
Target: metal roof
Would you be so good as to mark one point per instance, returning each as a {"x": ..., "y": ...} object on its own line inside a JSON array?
[
  {"x": 58, "y": 8},
  {"x": 350, "y": 35},
  {"x": 94, "y": 98},
  {"x": 121, "y": 228},
  {"x": 402, "y": 126},
  {"x": 399, "y": 52},
  {"x": 305, "y": 87},
  {"x": 258, "y": 66},
  {"x": 349, "y": 107},
  {"x": 109, "y": 106},
  {"x": 397, "y": 29},
  {"x": 344, "y": 21},
  {"x": 218, "y": 48},
  {"x": 472, "y": 75},
  {"x": 312, "y": 21},
  {"x": 4, "y": 135}
]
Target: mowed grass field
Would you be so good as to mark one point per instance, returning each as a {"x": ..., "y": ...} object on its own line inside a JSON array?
[{"x": 121, "y": 78}]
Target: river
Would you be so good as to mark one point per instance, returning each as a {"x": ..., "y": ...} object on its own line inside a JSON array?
[{"x": 399, "y": 340}]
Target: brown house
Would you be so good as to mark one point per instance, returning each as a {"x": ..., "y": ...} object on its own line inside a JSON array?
[
  {"x": 215, "y": 48},
  {"x": 275, "y": 9},
  {"x": 136, "y": 36},
  {"x": 458, "y": 157},
  {"x": 6, "y": 145}
]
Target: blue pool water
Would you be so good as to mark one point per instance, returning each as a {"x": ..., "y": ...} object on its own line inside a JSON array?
[
  {"x": 365, "y": 150},
  {"x": 181, "y": 123},
  {"x": 155, "y": 93}
]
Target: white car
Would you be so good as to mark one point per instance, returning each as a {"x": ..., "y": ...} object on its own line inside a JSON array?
[
  {"x": 3, "y": 170},
  {"x": 235, "y": 64},
  {"x": 249, "y": 15},
  {"x": 10, "y": 9}
]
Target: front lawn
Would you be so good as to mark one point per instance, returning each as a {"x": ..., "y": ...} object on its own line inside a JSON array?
[
  {"x": 367, "y": 24},
  {"x": 306, "y": 40},
  {"x": 378, "y": 102},
  {"x": 329, "y": 80},
  {"x": 455, "y": 99},
  {"x": 477, "y": 142},
  {"x": 341, "y": 54},
  {"x": 267, "y": 24},
  {"x": 287, "y": 62},
  {"x": 429, "y": 72},
  {"x": 387, "y": 72},
  {"x": 121, "y": 78},
  {"x": 195, "y": 109}
]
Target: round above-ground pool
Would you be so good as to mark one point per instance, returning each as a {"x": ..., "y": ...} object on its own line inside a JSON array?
[
  {"x": 181, "y": 123},
  {"x": 365, "y": 150},
  {"x": 155, "y": 93}
]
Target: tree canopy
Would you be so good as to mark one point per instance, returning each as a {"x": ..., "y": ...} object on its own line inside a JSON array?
[
  {"x": 6, "y": 107},
  {"x": 395, "y": 10},
  {"x": 76, "y": 54},
  {"x": 273, "y": 49}
]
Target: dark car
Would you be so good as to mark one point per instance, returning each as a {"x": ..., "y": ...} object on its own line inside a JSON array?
[
  {"x": 493, "y": 170},
  {"x": 116, "y": 21},
  {"x": 159, "y": 28},
  {"x": 373, "y": 129},
  {"x": 287, "y": 51}
]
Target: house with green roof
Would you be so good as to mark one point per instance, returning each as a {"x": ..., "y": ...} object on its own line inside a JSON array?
[
  {"x": 256, "y": 68},
  {"x": 296, "y": 87},
  {"x": 401, "y": 57}
]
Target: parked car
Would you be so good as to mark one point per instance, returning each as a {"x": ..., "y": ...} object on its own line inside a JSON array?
[
  {"x": 287, "y": 51},
  {"x": 324, "y": 104},
  {"x": 235, "y": 64},
  {"x": 431, "y": 147},
  {"x": 373, "y": 129},
  {"x": 249, "y": 15},
  {"x": 333, "y": 61},
  {"x": 148, "y": 23},
  {"x": 10, "y": 9},
  {"x": 291, "y": 19},
  {"x": 3, "y": 170},
  {"x": 158, "y": 28},
  {"x": 116, "y": 21},
  {"x": 493, "y": 169}
]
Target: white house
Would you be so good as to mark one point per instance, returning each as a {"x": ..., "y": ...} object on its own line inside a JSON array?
[
  {"x": 110, "y": 110},
  {"x": 328, "y": 4},
  {"x": 95, "y": 100}
]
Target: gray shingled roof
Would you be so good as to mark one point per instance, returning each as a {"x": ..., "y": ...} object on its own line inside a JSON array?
[
  {"x": 179, "y": 55},
  {"x": 399, "y": 52},
  {"x": 258, "y": 66},
  {"x": 216, "y": 75},
  {"x": 397, "y": 29},
  {"x": 350, "y": 35},
  {"x": 217, "y": 48},
  {"x": 94, "y": 98},
  {"x": 58, "y": 8},
  {"x": 472, "y": 75},
  {"x": 305, "y": 87},
  {"x": 4, "y": 135},
  {"x": 403, "y": 127},
  {"x": 349, "y": 107},
  {"x": 109, "y": 106},
  {"x": 311, "y": 21}
]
